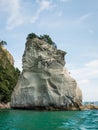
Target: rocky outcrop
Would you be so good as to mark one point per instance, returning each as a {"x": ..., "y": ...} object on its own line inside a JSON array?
[
  {"x": 44, "y": 82},
  {"x": 89, "y": 107},
  {"x": 5, "y": 105}
]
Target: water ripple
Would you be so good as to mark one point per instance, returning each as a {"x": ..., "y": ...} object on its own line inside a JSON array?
[{"x": 61, "y": 120}]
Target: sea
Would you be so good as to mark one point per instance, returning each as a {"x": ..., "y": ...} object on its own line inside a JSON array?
[{"x": 48, "y": 120}]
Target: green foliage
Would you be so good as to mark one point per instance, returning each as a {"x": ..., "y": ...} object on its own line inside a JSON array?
[
  {"x": 31, "y": 36},
  {"x": 47, "y": 39},
  {"x": 44, "y": 37},
  {"x": 8, "y": 77},
  {"x": 2, "y": 43}
]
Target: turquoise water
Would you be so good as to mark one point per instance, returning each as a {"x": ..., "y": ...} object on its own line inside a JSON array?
[{"x": 59, "y": 120}]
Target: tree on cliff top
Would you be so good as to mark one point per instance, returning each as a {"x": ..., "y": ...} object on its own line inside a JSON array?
[
  {"x": 48, "y": 39},
  {"x": 44, "y": 37},
  {"x": 31, "y": 36},
  {"x": 2, "y": 43}
]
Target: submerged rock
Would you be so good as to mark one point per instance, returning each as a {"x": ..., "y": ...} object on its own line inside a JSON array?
[{"x": 44, "y": 82}]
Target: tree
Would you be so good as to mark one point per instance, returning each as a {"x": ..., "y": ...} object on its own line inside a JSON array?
[
  {"x": 44, "y": 37},
  {"x": 8, "y": 77},
  {"x": 48, "y": 39},
  {"x": 31, "y": 36},
  {"x": 2, "y": 43}
]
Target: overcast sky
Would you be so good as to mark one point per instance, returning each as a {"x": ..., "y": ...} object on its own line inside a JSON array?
[{"x": 73, "y": 26}]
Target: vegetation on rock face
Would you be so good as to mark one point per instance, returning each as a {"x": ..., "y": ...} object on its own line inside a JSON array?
[
  {"x": 8, "y": 76},
  {"x": 44, "y": 37}
]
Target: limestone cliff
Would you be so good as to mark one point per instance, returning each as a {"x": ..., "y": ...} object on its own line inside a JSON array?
[{"x": 44, "y": 82}]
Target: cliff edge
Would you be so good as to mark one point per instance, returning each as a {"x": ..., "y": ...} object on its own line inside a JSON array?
[
  {"x": 45, "y": 84},
  {"x": 8, "y": 76}
]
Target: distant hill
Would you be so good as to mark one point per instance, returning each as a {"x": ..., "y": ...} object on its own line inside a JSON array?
[
  {"x": 89, "y": 102},
  {"x": 8, "y": 75}
]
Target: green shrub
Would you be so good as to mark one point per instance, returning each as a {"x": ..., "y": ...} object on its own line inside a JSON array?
[{"x": 44, "y": 37}]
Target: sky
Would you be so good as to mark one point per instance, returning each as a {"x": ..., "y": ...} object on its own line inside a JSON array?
[{"x": 72, "y": 25}]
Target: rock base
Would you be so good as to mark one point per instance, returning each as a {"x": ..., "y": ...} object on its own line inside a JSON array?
[
  {"x": 89, "y": 107},
  {"x": 5, "y": 105},
  {"x": 55, "y": 108},
  {"x": 47, "y": 108},
  {"x": 51, "y": 108}
]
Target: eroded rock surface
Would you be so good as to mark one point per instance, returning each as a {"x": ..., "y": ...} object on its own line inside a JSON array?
[{"x": 44, "y": 82}]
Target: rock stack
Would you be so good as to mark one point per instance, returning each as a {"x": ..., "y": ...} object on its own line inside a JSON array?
[{"x": 45, "y": 84}]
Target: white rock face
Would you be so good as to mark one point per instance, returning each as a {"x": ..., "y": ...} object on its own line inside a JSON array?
[{"x": 44, "y": 82}]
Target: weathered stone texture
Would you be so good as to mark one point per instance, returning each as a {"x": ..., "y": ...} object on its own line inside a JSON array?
[{"x": 44, "y": 82}]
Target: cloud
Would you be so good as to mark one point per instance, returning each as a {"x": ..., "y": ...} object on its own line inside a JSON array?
[
  {"x": 65, "y": 0},
  {"x": 92, "y": 64},
  {"x": 88, "y": 71},
  {"x": 87, "y": 78},
  {"x": 68, "y": 22},
  {"x": 90, "y": 93},
  {"x": 15, "y": 17},
  {"x": 74, "y": 21},
  {"x": 91, "y": 31},
  {"x": 43, "y": 5},
  {"x": 15, "y": 13},
  {"x": 3, "y": 4},
  {"x": 60, "y": 13},
  {"x": 84, "y": 81},
  {"x": 12, "y": 10},
  {"x": 82, "y": 18}
]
